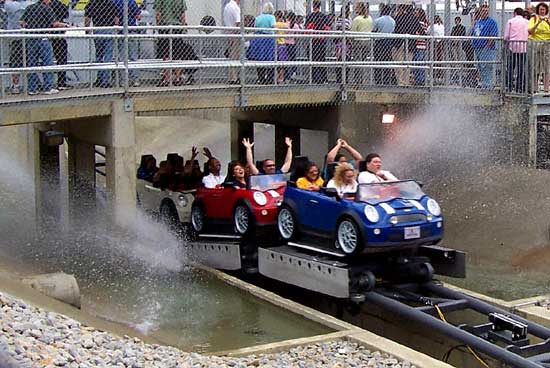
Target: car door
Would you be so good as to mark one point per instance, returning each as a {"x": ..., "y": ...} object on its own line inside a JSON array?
[
  {"x": 216, "y": 203},
  {"x": 150, "y": 197},
  {"x": 322, "y": 212}
]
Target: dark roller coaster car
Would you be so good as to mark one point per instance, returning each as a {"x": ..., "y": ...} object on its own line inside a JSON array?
[{"x": 379, "y": 217}]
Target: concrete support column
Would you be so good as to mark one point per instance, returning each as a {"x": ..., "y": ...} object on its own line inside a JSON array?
[
  {"x": 49, "y": 205},
  {"x": 121, "y": 163},
  {"x": 81, "y": 177},
  {"x": 533, "y": 136}
]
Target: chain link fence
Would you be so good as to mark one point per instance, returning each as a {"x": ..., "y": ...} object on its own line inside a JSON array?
[{"x": 151, "y": 46}]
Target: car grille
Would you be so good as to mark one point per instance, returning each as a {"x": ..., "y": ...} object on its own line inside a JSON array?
[{"x": 413, "y": 217}]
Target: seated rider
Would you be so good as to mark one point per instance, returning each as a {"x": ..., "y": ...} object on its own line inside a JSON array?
[
  {"x": 335, "y": 156},
  {"x": 161, "y": 178},
  {"x": 312, "y": 180},
  {"x": 236, "y": 176},
  {"x": 374, "y": 173},
  {"x": 344, "y": 180},
  {"x": 214, "y": 179},
  {"x": 190, "y": 175},
  {"x": 268, "y": 165},
  {"x": 148, "y": 170}
]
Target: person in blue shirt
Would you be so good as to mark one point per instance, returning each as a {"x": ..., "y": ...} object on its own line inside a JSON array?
[
  {"x": 485, "y": 49},
  {"x": 134, "y": 15},
  {"x": 263, "y": 49}
]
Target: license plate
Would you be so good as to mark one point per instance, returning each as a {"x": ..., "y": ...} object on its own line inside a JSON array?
[{"x": 412, "y": 232}]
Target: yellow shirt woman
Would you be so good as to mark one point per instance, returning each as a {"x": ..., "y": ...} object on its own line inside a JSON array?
[
  {"x": 304, "y": 183},
  {"x": 542, "y": 32}
]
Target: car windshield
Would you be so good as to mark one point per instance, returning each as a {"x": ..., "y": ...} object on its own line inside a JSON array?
[
  {"x": 267, "y": 182},
  {"x": 382, "y": 192}
]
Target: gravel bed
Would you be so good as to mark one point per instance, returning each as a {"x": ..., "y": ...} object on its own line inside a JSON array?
[{"x": 33, "y": 337}]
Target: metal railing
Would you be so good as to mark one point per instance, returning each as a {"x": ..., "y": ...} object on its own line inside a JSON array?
[{"x": 157, "y": 58}]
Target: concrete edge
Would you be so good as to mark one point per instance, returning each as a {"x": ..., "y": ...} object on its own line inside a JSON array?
[
  {"x": 401, "y": 352},
  {"x": 347, "y": 331},
  {"x": 279, "y": 301},
  {"x": 282, "y": 345}
]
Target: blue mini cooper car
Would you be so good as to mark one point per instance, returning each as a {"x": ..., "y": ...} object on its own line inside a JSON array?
[{"x": 379, "y": 217}]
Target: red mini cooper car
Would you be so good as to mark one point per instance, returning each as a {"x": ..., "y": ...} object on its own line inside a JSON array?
[{"x": 230, "y": 210}]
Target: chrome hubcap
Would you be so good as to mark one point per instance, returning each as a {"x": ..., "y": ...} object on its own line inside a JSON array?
[
  {"x": 241, "y": 219},
  {"x": 286, "y": 223},
  {"x": 347, "y": 236}
]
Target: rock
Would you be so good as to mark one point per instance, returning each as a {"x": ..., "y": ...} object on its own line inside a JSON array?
[{"x": 60, "y": 286}]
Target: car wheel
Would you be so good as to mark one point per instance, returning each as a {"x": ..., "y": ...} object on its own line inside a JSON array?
[
  {"x": 286, "y": 223},
  {"x": 169, "y": 216},
  {"x": 241, "y": 219},
  {"x": 197, "y": 219},
  {"x": 348, "y": 237}
]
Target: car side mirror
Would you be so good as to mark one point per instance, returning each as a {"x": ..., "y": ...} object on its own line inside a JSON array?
[{"x": 420, "y": 184}]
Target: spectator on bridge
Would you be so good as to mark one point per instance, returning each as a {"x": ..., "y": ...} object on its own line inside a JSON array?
[
  {"x": 39, "y": 50},
  {"x": 406, "y": 23},
  {"x": 282, "y": 52},
  {"x": 102, "y": 13},
  {"x": 263, "y": 49},
  {"x": 485, "y": 49},
  {"x": 344, "y": 179},
  {"x": 59, "y": 45},
  {"x": 361, "y": 46},
  {"x": 134, "y": 15},
  {"x": 14, "y": 10},
  {"x": 318, "y": 21},
  {"x": 539, "y": 33},
  {"x": 458, "y": 30},
  {"x": 232, "y": 18},
  {"x": 343, "y": 22},
  {"x": 268, "y": 165},
  {"x": 334, "y": 154},
  {"x": 312, "y": 180},
  {"x": 291, "y": 46},
  {"x": 516, "y": 35},
  {"x": 437, "y": 29},
  {"x": 529, "y": 11},
  {"x": 383, "y": 46},
  {"x": 374, "y": 173},
  {"x": 173, "y": 13},
  {"x": 420, "y": 46}
]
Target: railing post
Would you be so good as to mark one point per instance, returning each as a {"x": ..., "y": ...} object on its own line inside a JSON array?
[
  {"x": 126, "y": 50},
  {"x": 3, "y": 89},
  {"x": 432, "y": 54},
  {"x": 344, "y": 51},
  {"x": 242, "y": 56}
]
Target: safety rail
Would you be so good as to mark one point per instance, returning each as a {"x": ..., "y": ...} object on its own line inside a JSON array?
[{"x": 249, "y": 58}]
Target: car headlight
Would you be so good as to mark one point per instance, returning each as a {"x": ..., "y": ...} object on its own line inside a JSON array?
[
  {"x": 260, "y": 198},
  {"x": 182, "y": 201},
  {"x": 433, "y": 207},
  {"x": 371, "y": 213}
]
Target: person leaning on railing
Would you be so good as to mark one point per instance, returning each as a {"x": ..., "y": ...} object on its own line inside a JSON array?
[
  {"x": 361, "y": 46},
  {"x": 134, "y": 15},
  {"x": 485, "y": 49},
  {"x": 263, "y": 49},
  {"x": 14, "y": 10},
  {"x": 102, "y": 13},
  {"x": 516, "y": 34},
  {"x": 39, "y": 50},
  {"x": 539, "y": 32}
]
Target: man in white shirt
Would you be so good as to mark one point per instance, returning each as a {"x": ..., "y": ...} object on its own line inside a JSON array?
[
  {"x": 232, "y": 18},
  {"x": 213, "y": 179},
  {"x": 374, "y": 173}
]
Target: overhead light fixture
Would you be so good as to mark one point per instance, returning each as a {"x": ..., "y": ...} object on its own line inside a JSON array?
[{"x": 388, "y": 118}]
